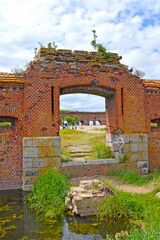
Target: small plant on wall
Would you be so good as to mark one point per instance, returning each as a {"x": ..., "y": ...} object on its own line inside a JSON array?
[
  {"x": 49, "y": 46},
  {"x": 123, "y": 159},
  {"x": 98, "y": 46},
  {"x": 102, "y": 151}
]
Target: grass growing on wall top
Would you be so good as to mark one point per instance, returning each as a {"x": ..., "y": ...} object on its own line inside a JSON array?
[{"x": 47, "y": 197}]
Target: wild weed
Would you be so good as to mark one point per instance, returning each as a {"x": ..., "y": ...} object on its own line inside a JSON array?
[
  {"x": 102, "y": 152},
  {"x": 141, "y": 209},
  {"x": 48, "y": 194}
]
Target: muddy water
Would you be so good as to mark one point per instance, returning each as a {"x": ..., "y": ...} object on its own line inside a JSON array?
[{"x": 17, "y": 222}]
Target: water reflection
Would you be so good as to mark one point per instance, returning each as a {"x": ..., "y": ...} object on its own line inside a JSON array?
[{"x": 17, "y": 222}]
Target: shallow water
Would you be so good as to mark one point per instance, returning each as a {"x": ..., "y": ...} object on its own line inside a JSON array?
[{"x": 17, "y": 222}]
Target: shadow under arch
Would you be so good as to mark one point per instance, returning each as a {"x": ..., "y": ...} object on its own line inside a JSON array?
[{"x": 88, "y": 89}]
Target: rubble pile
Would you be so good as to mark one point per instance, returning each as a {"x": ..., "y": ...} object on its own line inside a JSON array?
[{"x": 83, "y": 200}]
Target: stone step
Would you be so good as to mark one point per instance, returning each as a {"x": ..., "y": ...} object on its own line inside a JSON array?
[
  {"x": 78, "y": 159},
  {"x": 80, "y": 150},
  {"x": 79, "y": 154}
]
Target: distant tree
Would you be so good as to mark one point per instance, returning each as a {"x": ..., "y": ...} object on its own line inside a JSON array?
[
  {"x": 75, "y": 118},
  {"x": 41, "y": 45},
  {"x": 139, "y": 73},
  {"x": 70, "y": 120}
]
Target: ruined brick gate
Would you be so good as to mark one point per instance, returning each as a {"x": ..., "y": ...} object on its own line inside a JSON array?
[{"x": 30, "y": 103}]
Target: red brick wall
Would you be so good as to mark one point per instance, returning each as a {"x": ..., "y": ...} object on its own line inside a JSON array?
[
  {"x": 129, "y": 107},
  {"x": 83, "y": 171},
  {"x": 11, "y": 108},
  {"x": 93, "y": 167},
  {"x": 85, "y": 117},
  {"x": 44, "y": 74},
  {"x": 152, "y": 106}
]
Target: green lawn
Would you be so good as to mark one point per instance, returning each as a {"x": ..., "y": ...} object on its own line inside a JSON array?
[{"x": 74, "y": 137}]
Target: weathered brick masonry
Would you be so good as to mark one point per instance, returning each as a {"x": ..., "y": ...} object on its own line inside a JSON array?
[
  {"x": 31, "y": 105},
  {"x": 152, "y": 108},
  {"x": 11, "y": 110}
]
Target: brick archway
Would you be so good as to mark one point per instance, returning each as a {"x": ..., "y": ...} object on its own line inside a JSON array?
[
  {"x": 93, "y": 89},
  {"x": 52, "y": 75},
  {"x": 34, "y": 101}
]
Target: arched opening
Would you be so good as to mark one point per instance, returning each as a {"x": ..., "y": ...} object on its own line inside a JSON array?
[
  {"x": 91, "y": 123},
  {"x": 7, "y": 123},
  {"x": 90, "y": 110},
  {"x": 80, "y": 123},
  {"x": 98, "y": 122},
  {"x": 155, "y": 125},
  {"x": 10, "y": 161}
]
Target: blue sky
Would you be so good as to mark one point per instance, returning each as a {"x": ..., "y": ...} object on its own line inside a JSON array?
[{"x": 130, "y": 28}]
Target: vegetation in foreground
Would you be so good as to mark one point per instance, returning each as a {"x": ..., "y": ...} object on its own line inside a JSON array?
[
  {"x": 131, "y": 177},
  {"x": 47, "y": 197},
  {"x": 142, "y": 209}
]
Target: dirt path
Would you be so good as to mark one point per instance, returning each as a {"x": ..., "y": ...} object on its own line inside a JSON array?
[
  {"x": 119, "y": 185},
  {"x": 93, "y": 129}
]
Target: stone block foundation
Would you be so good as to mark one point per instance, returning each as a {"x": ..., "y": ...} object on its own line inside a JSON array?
[
  {"x": 39, "y": 154},
  {"x": 131, "y": 148}
]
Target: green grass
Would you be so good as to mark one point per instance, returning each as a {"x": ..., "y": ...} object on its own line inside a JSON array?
[
  {"x": 128, "y": 176},
  {"x": 131, "y": 177},
  {"x": 100, "y": 129},
  {"x": 74, "y": 137},
  {"x": 142, "y": 210},
  {"x": 102, "y": 151},
  {"x": 47, "y": 197},
  {"x": 5, "y": 124},
  {"x": 65, "y": 157}
]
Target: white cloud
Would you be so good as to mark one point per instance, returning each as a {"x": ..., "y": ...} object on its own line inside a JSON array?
[
  {"x": 129, "y": 27},
  {"x": 82, "y": 102}
]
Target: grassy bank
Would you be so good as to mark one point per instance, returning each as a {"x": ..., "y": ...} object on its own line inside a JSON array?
[
  {"x": 142, "y": 210},
  {"x": 131, "y": 177},
  {"x": 47, "y": 197}
]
